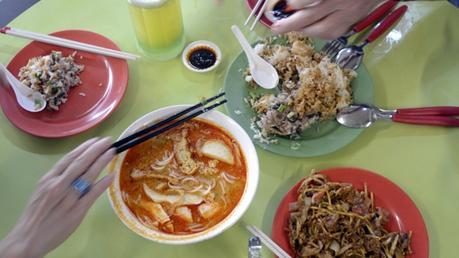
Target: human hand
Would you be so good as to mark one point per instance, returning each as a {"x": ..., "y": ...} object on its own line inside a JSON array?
[
  {"x": 326, "y": 19},
  {"x": 56, "y": 208}
]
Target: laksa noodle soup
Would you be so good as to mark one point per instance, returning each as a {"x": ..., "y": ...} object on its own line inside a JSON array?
[{"x": 184, "y": 181}]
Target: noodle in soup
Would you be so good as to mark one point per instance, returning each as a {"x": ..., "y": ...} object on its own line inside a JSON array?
[{"x": 186, "y": 180}]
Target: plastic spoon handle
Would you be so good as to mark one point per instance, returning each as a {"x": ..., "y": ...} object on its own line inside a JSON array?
[
  {"x": 387, "y": 23},
  {"x": 374, "y": 16},
  {"x": 244, "y": 43},
  {"x": 426, "y": 120},
  {"x": 430, "y": 111},
  {"x": 18, "y": 88}
]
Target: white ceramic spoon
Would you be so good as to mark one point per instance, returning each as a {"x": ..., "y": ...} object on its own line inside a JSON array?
[
  {"x": 27, "y": 98},
  {"x": 263, "y": 73}
]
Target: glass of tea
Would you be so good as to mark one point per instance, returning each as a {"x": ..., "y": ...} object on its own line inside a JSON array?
[{"x": 158, "y": 27}]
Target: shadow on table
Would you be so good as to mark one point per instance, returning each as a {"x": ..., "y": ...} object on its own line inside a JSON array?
[
  {"x": 277, "y": 197},
  {"x": 432, "y": 232},
  {"x": 102, "y": 219},
  {"x": 8, "y": 50},
  {"x": 440, "y": 77},
  {"x": 39, "y": 145},
  {"x": 446, "y": 172}
]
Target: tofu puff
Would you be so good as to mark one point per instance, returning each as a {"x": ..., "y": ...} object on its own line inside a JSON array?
[{"x": 186, "y": 180}]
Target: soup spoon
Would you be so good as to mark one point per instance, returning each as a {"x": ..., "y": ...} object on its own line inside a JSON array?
[
  {"x": 27, "y": 98},
  {"x": 263, "y": 73}
]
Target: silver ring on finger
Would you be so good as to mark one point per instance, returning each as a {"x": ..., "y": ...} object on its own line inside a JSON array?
[{"x": 81, "y": 186}]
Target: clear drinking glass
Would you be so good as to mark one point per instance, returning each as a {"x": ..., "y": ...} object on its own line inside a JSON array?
[{"x": 158, "y": 27}]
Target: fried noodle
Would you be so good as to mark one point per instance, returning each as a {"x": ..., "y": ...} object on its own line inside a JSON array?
[{"x": 332, "y": 219}]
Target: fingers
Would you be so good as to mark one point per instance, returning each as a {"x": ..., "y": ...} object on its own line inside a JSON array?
[
  {"x": 303, "y": 18},
  {"x": 331, "y": 27},
  {"x": 81, "y": 164},
  {"x": 87, "y": 201},
  {"x": 90, "y": 176},
  {"x": 328, "y": 19},
  {"x": 300, "y": 4},
  {"x": 63, "y": 163},
  {"x": 95, "y": 169}
]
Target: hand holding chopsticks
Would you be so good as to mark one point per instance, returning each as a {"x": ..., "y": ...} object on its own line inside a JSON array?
[
  {"x": 53, "y": 40},
  {"x": 167, "y": 124},
  {"x": 263, "y": 4}
]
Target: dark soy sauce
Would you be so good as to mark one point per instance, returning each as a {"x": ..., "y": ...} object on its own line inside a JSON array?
[{"x": 202, "y": 57}]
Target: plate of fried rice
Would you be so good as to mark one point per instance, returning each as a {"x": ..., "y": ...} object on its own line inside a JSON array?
[
  {"x": 81, "y": 89},
  {"x": 296, "y": 119}
]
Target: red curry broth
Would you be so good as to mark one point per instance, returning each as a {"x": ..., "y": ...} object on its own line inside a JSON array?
[{"x": 144, "y": 155}]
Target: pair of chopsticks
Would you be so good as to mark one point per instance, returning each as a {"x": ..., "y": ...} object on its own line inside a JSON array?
[
  {"x": 167, "y": 124},
  {"x": 254, "y": 11},
  {"x": 268, "y": 242},
  {"x": 68, "y": 43}
]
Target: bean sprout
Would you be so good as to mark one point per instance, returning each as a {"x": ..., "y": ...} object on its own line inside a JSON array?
[{"x": 166, "y": 160}]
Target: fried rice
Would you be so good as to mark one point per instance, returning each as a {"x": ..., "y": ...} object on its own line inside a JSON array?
[
  {"x": 52, "y": 75},
  {"x": 312, "y": 88}
]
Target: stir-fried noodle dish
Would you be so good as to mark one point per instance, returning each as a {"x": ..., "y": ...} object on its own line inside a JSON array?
[{"x": 331, "y": 219}]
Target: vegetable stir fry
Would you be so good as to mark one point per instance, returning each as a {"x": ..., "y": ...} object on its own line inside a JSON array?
[{"x": 332, "y": 219}]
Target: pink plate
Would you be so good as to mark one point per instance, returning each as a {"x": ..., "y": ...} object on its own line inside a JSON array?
[
  {"x": 104, "y": 84},
  {"x": 251, "y": 4},
  {"x": 404, "y": 215}
]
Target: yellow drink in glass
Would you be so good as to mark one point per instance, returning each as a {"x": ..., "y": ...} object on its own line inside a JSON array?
[{"x": 158, "y": 27}]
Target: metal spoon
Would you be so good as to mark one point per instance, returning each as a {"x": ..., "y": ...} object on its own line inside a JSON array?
[
  {"x": 27, "y": 98},
  {"x": 351, "y": 57},
  {"x": 362, "y": 116},
  {"x": 263, "y": 73}
]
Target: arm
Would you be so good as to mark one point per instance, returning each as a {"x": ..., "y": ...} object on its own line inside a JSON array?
[
  {"x": 56, "y": 208},
  {"x": 326, "y": 19}
]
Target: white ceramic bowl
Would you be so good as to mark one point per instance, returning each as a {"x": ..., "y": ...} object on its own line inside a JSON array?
[
  {"x": 196, "y": 44},
  {"x": 215, "y": 118}
]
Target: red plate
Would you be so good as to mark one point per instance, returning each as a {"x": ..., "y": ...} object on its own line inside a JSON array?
[
  {"x": 251, "y": 4},
  {"x": 403, "y": 213},
  {"x": 104, "y": 84}
]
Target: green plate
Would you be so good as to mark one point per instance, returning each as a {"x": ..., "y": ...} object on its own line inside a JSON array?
[{"x": 323, "y": 138}]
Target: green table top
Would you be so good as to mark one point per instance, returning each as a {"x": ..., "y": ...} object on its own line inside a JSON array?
[{"x": 421, "y": 69}]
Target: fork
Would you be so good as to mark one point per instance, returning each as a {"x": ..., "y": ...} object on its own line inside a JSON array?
[
  {"x": 260, "y": 13},
  {"x": 332, "y": 47},
  {"x": 351, "y": 56}
]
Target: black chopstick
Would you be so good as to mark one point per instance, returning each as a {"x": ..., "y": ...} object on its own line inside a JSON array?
[
  {"x": 165, "y": 121},
  {"x": 130, "y": 144}
]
